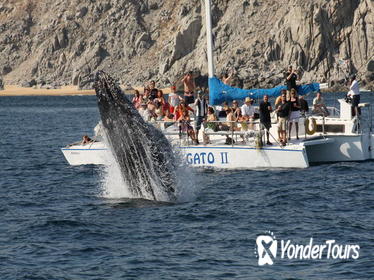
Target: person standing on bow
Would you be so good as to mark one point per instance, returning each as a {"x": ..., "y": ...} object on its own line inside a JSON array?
[
  {"x": 354, "y": 93},
  {"x": 265, "y": 119}
]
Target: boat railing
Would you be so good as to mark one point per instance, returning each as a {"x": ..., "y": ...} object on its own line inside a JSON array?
[{"x": 230, "y": 129}]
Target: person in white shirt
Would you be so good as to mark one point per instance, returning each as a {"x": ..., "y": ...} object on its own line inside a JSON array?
[
  {"x": 354, "y": 93},
  {"x": 319, "y": 106},
  {"x": 174, "y": 99},
  {"x": 144, "y": 112},
  {"x": 247, "y": 109}
]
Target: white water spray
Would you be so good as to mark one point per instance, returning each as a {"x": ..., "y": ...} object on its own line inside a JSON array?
[{"x": 114, "y": 186}]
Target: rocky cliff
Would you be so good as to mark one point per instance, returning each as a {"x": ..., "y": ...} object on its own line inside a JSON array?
[{"x": 55, "y": 41}]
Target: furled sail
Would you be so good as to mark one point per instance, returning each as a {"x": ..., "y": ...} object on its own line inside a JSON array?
[{"x": 219, "y": 92}]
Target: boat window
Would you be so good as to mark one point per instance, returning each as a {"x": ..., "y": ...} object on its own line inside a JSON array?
[{"x": 332, "y": 128}]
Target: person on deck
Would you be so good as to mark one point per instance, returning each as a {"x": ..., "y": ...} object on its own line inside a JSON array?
[
  {"x": 226, "y": 79},
  {"x": 152, "y": 85},
  {"x": 304, "y": 107},
  {"x": 283, "y": 111},
  {"x": 294, "y": 114},
  {"x": 211, "y": 124},
  {"x": 222, "y": 111},
  {"x": 247, "y": 109},
  {"x": 178, "y": 111},
  {"x": 153, "y": 94},
  {"x": 354, "y": 93},
  {"x": 319, "y": 106},
  {"x": 236, "y": 109},
  {"x": 174, "y": 99},
  {"x": 201, "y": 106},
  {"x": 86, "y": 140},
  {"x": 146, "y": 93},
  {"x": 160, "y": 97},
  {"x": 185, "y": 125},
  {"x": 137, "y": 99},
  {"x": 291, "y": 77},
  {"x": 231, "y": 120},
  {"x": 265, "y": 119},
  {"x": 278, "y": 100},
  {"x": 189, "y": 88}
]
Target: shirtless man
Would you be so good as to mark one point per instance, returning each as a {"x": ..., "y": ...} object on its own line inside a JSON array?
[
  {"x": 227, "y": 78},
  {"x": 189, "y": 88}
]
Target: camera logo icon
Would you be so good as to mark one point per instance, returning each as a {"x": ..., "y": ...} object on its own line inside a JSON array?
[{"x": 266, "y": 249}]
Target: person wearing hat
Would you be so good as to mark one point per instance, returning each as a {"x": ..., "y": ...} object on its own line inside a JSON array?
[
  {"x": 247, "y": 109},
  {"x": 354, "y": 93}
]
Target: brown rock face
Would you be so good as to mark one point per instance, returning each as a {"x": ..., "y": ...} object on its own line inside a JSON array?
[{"x": 64, "y": 41}]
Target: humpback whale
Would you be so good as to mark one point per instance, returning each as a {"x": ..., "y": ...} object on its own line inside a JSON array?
[{"x": 144, "y": 155}]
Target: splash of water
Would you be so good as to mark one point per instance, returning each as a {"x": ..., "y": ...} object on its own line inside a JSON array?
[
  {"x": 112, "y": 183},
  {"x": 114, "y": 186}
]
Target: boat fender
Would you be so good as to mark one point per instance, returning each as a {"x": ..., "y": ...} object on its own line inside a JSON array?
[{"x": 314, "y": 126}]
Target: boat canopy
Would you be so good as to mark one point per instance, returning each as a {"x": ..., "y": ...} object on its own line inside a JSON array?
[{"x": 219, "y": 92}]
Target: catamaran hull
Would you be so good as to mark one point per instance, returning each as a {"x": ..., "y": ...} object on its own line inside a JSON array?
[
  {"x": 220, "y": 157},
  {"x": 342, "y": 148},
  {"x": 245, "y": 157}
]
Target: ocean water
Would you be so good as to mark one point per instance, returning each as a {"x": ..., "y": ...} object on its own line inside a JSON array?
[{"x": 55, "y": 222}]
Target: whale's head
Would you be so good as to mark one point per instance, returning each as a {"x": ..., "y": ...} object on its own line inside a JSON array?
[{"x": 110, "y": 96}]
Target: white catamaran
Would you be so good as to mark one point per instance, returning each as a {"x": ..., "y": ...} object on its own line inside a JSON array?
[{"x": 338, "y": 137}]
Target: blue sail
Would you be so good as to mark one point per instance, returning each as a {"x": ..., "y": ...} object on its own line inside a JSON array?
[{"x": 219, "y": 92}]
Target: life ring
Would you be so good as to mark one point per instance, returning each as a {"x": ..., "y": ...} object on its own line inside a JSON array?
[{"x": 314, "y": 126}]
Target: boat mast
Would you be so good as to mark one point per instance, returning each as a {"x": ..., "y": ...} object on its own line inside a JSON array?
[{"x": 209, "y": 38}]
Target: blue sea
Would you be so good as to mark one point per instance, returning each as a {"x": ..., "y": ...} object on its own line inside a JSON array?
[{"x": 55, "y": 222}]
